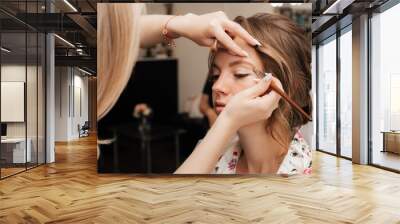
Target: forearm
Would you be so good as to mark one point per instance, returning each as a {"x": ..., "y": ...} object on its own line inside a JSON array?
[
  {"x": 211, "y": 116},
  {"x": 151, "y": 27},
  {"x": 207, "y": 111},
  {"x": 206, "y": 154}
]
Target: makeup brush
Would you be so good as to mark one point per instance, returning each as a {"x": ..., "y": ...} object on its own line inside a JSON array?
[{"x": 273, "y": 87}]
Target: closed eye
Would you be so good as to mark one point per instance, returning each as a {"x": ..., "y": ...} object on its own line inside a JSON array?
[{"x": 241, "y": 75}]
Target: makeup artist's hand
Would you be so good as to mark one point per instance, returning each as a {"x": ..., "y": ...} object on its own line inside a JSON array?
[
  {"x": 205, "y": 29},
  {"x": 250, "y": 105}
]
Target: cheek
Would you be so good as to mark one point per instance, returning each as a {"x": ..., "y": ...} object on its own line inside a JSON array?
[
  {"x": 238, "y": 86},
  {"x": 243, "y": 84}
]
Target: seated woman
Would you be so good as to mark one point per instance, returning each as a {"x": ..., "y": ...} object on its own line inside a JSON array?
[{"x": 272, "y": 145}]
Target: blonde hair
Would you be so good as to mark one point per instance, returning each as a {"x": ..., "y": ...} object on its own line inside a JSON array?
[{"x": 118, "y": 48}]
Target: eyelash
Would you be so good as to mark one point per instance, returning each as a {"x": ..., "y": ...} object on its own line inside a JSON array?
[
  {"x": 214, "y": 78},
  {"x": 241, "y": 75}
]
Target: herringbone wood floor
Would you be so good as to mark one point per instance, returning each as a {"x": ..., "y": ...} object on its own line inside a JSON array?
[{"x": 71, "y": 191}]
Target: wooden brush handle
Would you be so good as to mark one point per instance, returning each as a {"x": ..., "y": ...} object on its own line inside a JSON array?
[
  {"x": 290, "y": 101},
  {"x": 272, "y": 86}
]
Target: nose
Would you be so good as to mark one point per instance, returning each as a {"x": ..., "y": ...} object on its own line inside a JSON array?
[{"x": 221, "y": 85}]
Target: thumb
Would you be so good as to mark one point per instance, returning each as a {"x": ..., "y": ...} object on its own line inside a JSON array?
[
  {"x": 261, "y": 87},
  {"x": 272, "y": 98}
]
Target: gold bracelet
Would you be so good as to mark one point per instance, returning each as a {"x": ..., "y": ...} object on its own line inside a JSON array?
[{"x": 167, "y": 38}]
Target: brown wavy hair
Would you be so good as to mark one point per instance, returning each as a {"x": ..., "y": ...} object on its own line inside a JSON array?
[{"x": 286, "y": 53}]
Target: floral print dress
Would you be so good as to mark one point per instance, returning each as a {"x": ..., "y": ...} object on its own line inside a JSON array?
[{"x": 297, "y": 160}]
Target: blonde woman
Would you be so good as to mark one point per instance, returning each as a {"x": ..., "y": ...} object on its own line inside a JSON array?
[{"x": 122, "y": 29}]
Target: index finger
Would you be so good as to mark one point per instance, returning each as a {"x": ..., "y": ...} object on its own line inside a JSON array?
[
  {"x": 237, "y": 30},
  {"x": 228, "y": 43}
]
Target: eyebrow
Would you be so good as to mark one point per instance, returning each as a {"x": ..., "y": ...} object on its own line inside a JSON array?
[
  {"x": 241, "y": 61},
  {"x": 236, "y": 62}
]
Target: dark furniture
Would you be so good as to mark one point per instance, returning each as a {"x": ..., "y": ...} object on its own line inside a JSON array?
[
  {"x": 84, "y": 130},
  {"x": 154, "y": 82},
  {"x": 123, "y": 149},
  {"x": 129, "y": 134},
  {"x": 391, "y": 141},
  {"x": 3, "y": 129}
]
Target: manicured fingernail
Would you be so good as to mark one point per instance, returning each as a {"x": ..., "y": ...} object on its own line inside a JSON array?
[
  {"x": 245, "y": 53},
  {"x": 258, "y": 44},
  {"x": 267, "y": 77}
]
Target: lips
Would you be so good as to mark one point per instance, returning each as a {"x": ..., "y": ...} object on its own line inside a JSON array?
[{"x": 219, "y": 106}]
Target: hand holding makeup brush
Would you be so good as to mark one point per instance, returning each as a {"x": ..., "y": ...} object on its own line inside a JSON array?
[
  {"x": 252, "y": 104},
  {"x": 279, "y": 90},
  {"x": 246, "y": 107}
]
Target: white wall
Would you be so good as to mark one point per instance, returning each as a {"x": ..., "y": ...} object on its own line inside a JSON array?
[
  {"x": 61, "y": 103},
  {"x": 80, "y": 83},
  {"x": 15, "y": 72},
  {"x": 67, "y": 116},
  {"x": 33, "y": 127}
]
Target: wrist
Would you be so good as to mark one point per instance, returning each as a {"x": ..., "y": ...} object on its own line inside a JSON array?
[
  {"x": 173, "y": 26},
  {"x": 177, "y": 25},
  {"x": 169, "y": 27},
  {"x": 227, "y": 121}
]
